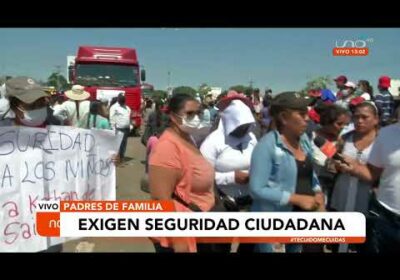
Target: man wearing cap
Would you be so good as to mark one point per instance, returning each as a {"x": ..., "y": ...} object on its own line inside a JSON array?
[
  {"x": 384, "y": 100},
  {"x": 340, "y": 84},
  {"x": 28, "y": 103},
  {"x": 348, "y": 93},
  {"x": 75, "y": 110}
]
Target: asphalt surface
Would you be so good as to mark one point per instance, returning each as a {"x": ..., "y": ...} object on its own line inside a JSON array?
[{"x": 128, "y": 188}]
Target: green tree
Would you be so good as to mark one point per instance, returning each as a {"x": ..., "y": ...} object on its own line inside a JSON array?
[
  {"x": 317, "y": 83},
  {"x": 58, "y": 81},
  {"x": 159, "y": 95},
  {"x": 204, "y": 89},
  {"x": 247, "y": 90},
  {"x": 42, "y": 83},
  {"x": 184, "y": 89}
]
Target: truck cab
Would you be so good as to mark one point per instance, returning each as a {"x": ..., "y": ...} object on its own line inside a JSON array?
[{"x": 106, "y": 72}]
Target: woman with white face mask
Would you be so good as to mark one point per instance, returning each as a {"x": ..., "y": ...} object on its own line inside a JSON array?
[
  {"x": 178, "y": 171},
  {"x": 346, "y": 95}
]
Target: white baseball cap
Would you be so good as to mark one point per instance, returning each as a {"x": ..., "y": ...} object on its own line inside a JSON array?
[{"x": 350, "y": 85}]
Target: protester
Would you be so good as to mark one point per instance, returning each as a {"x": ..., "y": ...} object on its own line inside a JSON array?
[
  {"x": 357, "y": 145},
  {"x": 383, "y": 229},
  {"x": 6, "y": 114},
  {"x": 384, "y": 100},
  {"x": 346, "y": 95},
  {"x": 120, "y": 119},
  {"x": 365, "y": 90},
  {"x": 281, "y": 173},
  {"x": 257, "y": 102},
  {"x": 98, "y": 116},
  {"x": 29, "y": 102},
  {"x": 265, "y": 116},
  {"x": 157, "y": 122},
  {"x": 229, "y": 149},
  {"x": 178, "y": 171},
  {"x": 148, "y": 109},
  {"x": 340, "y": 84},
  {"x": 75, "y": 110},
  {"x": 333, "y": 119}
]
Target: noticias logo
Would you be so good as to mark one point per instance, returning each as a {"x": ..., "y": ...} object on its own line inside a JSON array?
[{"x": 351, "y": 47}]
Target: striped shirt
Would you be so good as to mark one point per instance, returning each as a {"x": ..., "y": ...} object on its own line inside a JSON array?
[{"x": 384, "y": 101}]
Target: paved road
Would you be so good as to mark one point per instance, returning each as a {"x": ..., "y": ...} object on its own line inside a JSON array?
[{"x": 128, "y": 187}]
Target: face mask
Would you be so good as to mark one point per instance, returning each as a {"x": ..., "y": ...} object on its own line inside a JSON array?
[
  {"x": 195, "y": 127},
  {"x": 34, "y": 117},
  {"x": 345, "y": 92}
]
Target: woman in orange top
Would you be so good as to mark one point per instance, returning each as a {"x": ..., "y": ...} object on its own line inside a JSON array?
[{"x": 178, "y": 171}]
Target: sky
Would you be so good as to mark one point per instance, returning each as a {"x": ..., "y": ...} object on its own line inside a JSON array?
[{"x": 279, "y": 58}]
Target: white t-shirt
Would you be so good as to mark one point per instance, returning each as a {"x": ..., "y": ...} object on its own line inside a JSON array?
[
  {"x": 366, "y": 96},
  {"x": 386, "y": 155},
  {"x": 67, "y": 112},
  {"x": 226, "y": 157},
  {"x": 120, "y": 117},
  {"x": 228, "y": 154},
  {"x": 347, "y": 196}
]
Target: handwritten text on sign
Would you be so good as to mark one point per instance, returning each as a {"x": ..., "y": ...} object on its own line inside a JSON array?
[{"x": 56, "y": 163}]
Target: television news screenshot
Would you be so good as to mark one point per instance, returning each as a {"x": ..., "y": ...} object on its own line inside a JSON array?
[{"x": 192, "y": 140}]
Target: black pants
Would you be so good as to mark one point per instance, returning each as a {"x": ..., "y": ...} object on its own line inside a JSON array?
[
  {"x": 53, "y": 249},
  {"x": 245, "y": 248},
  {"x": 122, "y": 148},
  {"x": 383, "y": 230},
  {"x": 160, "y": 249}
]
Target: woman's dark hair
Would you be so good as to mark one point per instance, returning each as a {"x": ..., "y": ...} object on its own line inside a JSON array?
[
  {"x": 158, "y": 112},
  {"x": 367, "y": 86},
  {"x": 274, "y": 112},
  {"x": 13, "y": 102},
  {"x": 372, "y": 106},
  {"x": 95, "y": 107},
  {"x": 222, "y": 95},
  {"x": 149, "y": 103},
  {"x": 329, "y": 113},
  {"x": 315, "y": 101},
  {"x": 113, "y": 101},
  {"x": 178, "y": 101},
  {"x": 266, "y": 102}
]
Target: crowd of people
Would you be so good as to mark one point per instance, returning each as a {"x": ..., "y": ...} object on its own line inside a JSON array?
[
  {"x": 23, "y": 102},
  {"x": 264, "y": 153},
  {"x": 249, "y": 153}
]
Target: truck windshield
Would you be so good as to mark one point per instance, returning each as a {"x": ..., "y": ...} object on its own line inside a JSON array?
[{"x": 107, "y": 75}]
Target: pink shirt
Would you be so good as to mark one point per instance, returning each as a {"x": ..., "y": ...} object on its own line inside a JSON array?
[{"x": 197, "y": 182}]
